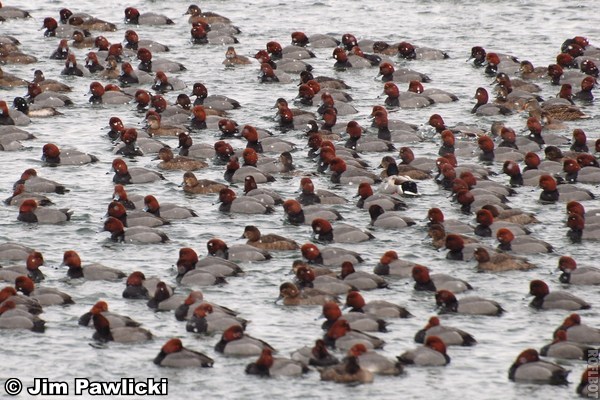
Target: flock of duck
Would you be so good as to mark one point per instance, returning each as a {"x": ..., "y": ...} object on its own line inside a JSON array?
[{"x": 494, "y": 235}]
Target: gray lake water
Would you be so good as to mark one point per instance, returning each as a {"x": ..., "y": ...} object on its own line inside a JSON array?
[{"x": 532, "y": 30}]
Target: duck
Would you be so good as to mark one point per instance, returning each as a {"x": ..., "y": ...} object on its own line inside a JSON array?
[
  {"x": 12, "y": 251},
  {"x": 205, "y": 320},
  {"x": 291, "y": 295},
  {"x": 546, "y": 300},
  {"x": 329, "y": 256},
  {"x": 388, "y": 73},
  {"x": 529, "y": 368},
  {"x": 120, "y": 195},
  {"x": 245, "y": 205},
  {"x": 169, "y": 211},
  {"x": 471, "y": 305},
  {"x": 586, "y": 386},
  {"x": 71, "y": 67},
  {"x": 309, "y": 196},
  {"x": 124, "y": 334},
  {"x": 232, "y": 59},
  {"x": 115, "y": 320},
  {"x": 342, "y": 337},
  {"x": 566, "y": 350},
  {"x": 499, "y": 262},
  {"x": 125, "y": 175},
  {"x": 483, "y": 108},
  {"x": 34, "y": 183},
  {"x": 435, "y": 282},
  {"x": 349, "y": 372},
  {"x": 512, "y": 215},
  {"x": 579, "y": 332},
  {"x": 343, "y": 233},
  {"x": 296, "y": 214},
  {"x": 358, "y": 321},
  {"x": 12, "y": 317},
  {"x": 451, "y": 336},
  {"x": 19, "y": 195},
  {"x": 53, "y": 156},
  {"x": 148, "y": 64},
  {"x": 192, "y": 270},
  {"x": 317, "y": 355},
  {"x": 388, "y": 219},
  {"x": 133, "y": 218},
  {"x": 375, "y": 308},
  {"x": 45, "y": 296},
  {"x": 137, "y": 286},
  {"x": 367, "y": 199},
  {"x": 136, "y": 234},
  {"x": 235, "y": 342},
  {"x": 197, "y": 15},
  {"x": 342, "y": 173},
  {"x": 361, "y": 280},
  {"x": 93, "y": 271},
  {"x": 130, "y": 77},
  {"x": 266, "y": 196},
  {"x": 164, "y": 299},
  {"x": 191, "y": 184},
  {"x": 133, "y": 42},
  {"x": 102, "y": 96},
  {"x": 437, "y": 95},
  {"x": 9, "y": 12},
  {"x": 8, "y": 80},
  {"x": 267, "y": 365},
  {"x": 405, "y": 99},
  {"x": 375, "y": 362},
  {"x": 391, "y": 265},
  {"x": 133, "y": 17},
  {"x": 171, "y": 162},
  {"x": 306, "y": 278},
  {"x": 173, "y": 354},
  {"x": 216, "y": 102},
  {"x": 236, "y": 174},
  {"x": 33, "y": 110},
  {"x": 85, "y": 21},
  {"x": 34, "y": 261},
  {"x": 22, "y": 302},
  {"x": 522, "y": 244},
  {"x": 409, "y": 52},
  {"x": 30, "y": 212},
  {"x": 268, "y": 242},
  {"x": 196, "y": 298},
  {"x": 572, "y": 274},
  {"x": 431, "y": 354},
  {"x": 577, "y": 231},
  {"x": 53, "y": 29},
  {"x": 239, "y": 252}
]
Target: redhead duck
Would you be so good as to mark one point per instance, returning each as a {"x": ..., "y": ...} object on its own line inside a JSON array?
[
  {"x": 577, "y": 231},
  {"x": 361, "y": 280},
  {"x": 268, "y": 242},
  {"x": 197, "y": 15},
  {"x": 436, "y": 217},
  {"x": 342, "y": 337},
  {"x": 317, "y": 355},
  {"x": 163, "y": 84},
  {"x": 136, "y": 234},
  {"x": 187, "y": 148},
  {"x": 267, "y": 144},
  {"x": 341, "y": 108},
  {"x": 217, "y": 102},
  {"x": 343, "y": 233},
  {"x": 449, "y": 335},
  {"x": 92, "y": 271},
  {"x": 30, "y": 212},
  {"x": 585, "y": 94},
  {"x": 124, "y": 175},
  {"x": 34, "y": 183},
  {"x": 546, "y": 300},
  {"x": 388, "y": 73},
  {"x": 266, "y": 196},
  {"x": 148, "y": 64},
  {"x": 291, "y": 295},
  {"x": 361, "y": 144},
  {"x": 235, "y": 174},
  {"x": 293, "y": 52},
  {"x": 586, "y": 387},
  {"x": 345, "y": 61},
  {"x": 358, "y": 321},
  {"x": 192, "y": 270},
  {"x": 579, "y": 141},
  {"x": 133, "y": 16},
  {"x": 388, "y": 219},
  {"x": 405, "y": 99},
  {"x": 438, "y": 235},
  {"x": 435, "y": 282},
  {"x": 205, "y": 320},
  {"x": 134, "y": 217},
  {"x": 437, "y": 95},
  {"x": 487, "y": 226},
  {"x": 245, "y": 205},
  {"x": 500, "y": 262},
  {"x": 529, "y": 368},
  {"x": 133, "y": 42},
  {"x": 55, "y": 30},
  {"x": 374, "y": 362},
  {"x": 85, "y": 21},
  {"x": 564, "y": 349},
  {"x": 172, "y": 162},
  {"x": 22, "y": 302},
  {"x": 309, "y": 196},
  {"x": 458, "y": 247},
  {"x": 472, "y": 305},
  {"x": 268, "y": 75},
  {"x": 100, "y": 95},
  {"x": 239, "y": 252},
  {"x": 390, "y": 264},
  {"x": 329, "y": 256},
  {"x": 45, "y": 296},
  {"x": 155, "y": 127},
  {"x": 193, "y": 185},
  {"x": 296, "y": 214},
  {"x": 306, "y": 278},
  {"x": 168, "y": 211},
  {"x": 385, "y": 201},
  {"x": 138, "y": 286},
  {"x": 512, "y": 215},
  {"x": 195, "y": 298},
  {"x": 173, "y": 354},
  {"x": 71, "y": 67},
  {"x": 123, "y": 334},
  {"x": 483, "y": 108},
  {"x": 323, "y": 81},
  {"x": 266, "y": 365},
  {"x": 130, "y": 77},
  {"x": 578, "y": 332},
  {"x": 234, "y": 342},
  {"x": 115, "y": 320},
  {"x": 52, "y": 155},
  {"x": 80, "y": 41},
  {"x": 120, "y": 195},
  {"x": 12, "y": 317},
  {"x": 341, "y": 173},
  {"x": 431, "y": 354},
  {"x": 19, "y": 195},
  {"x": 31, "y": 269},
  {"x": 522, "y": 244},
  {"x": 16, "y": 57},
  {"x": 409, "y": 52},
  {"x": 572, "y": 274},
  {"x": 376, "y": 308},
  {"x": 9, "y": 12},
  {"x": 348, "y": 372}
]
